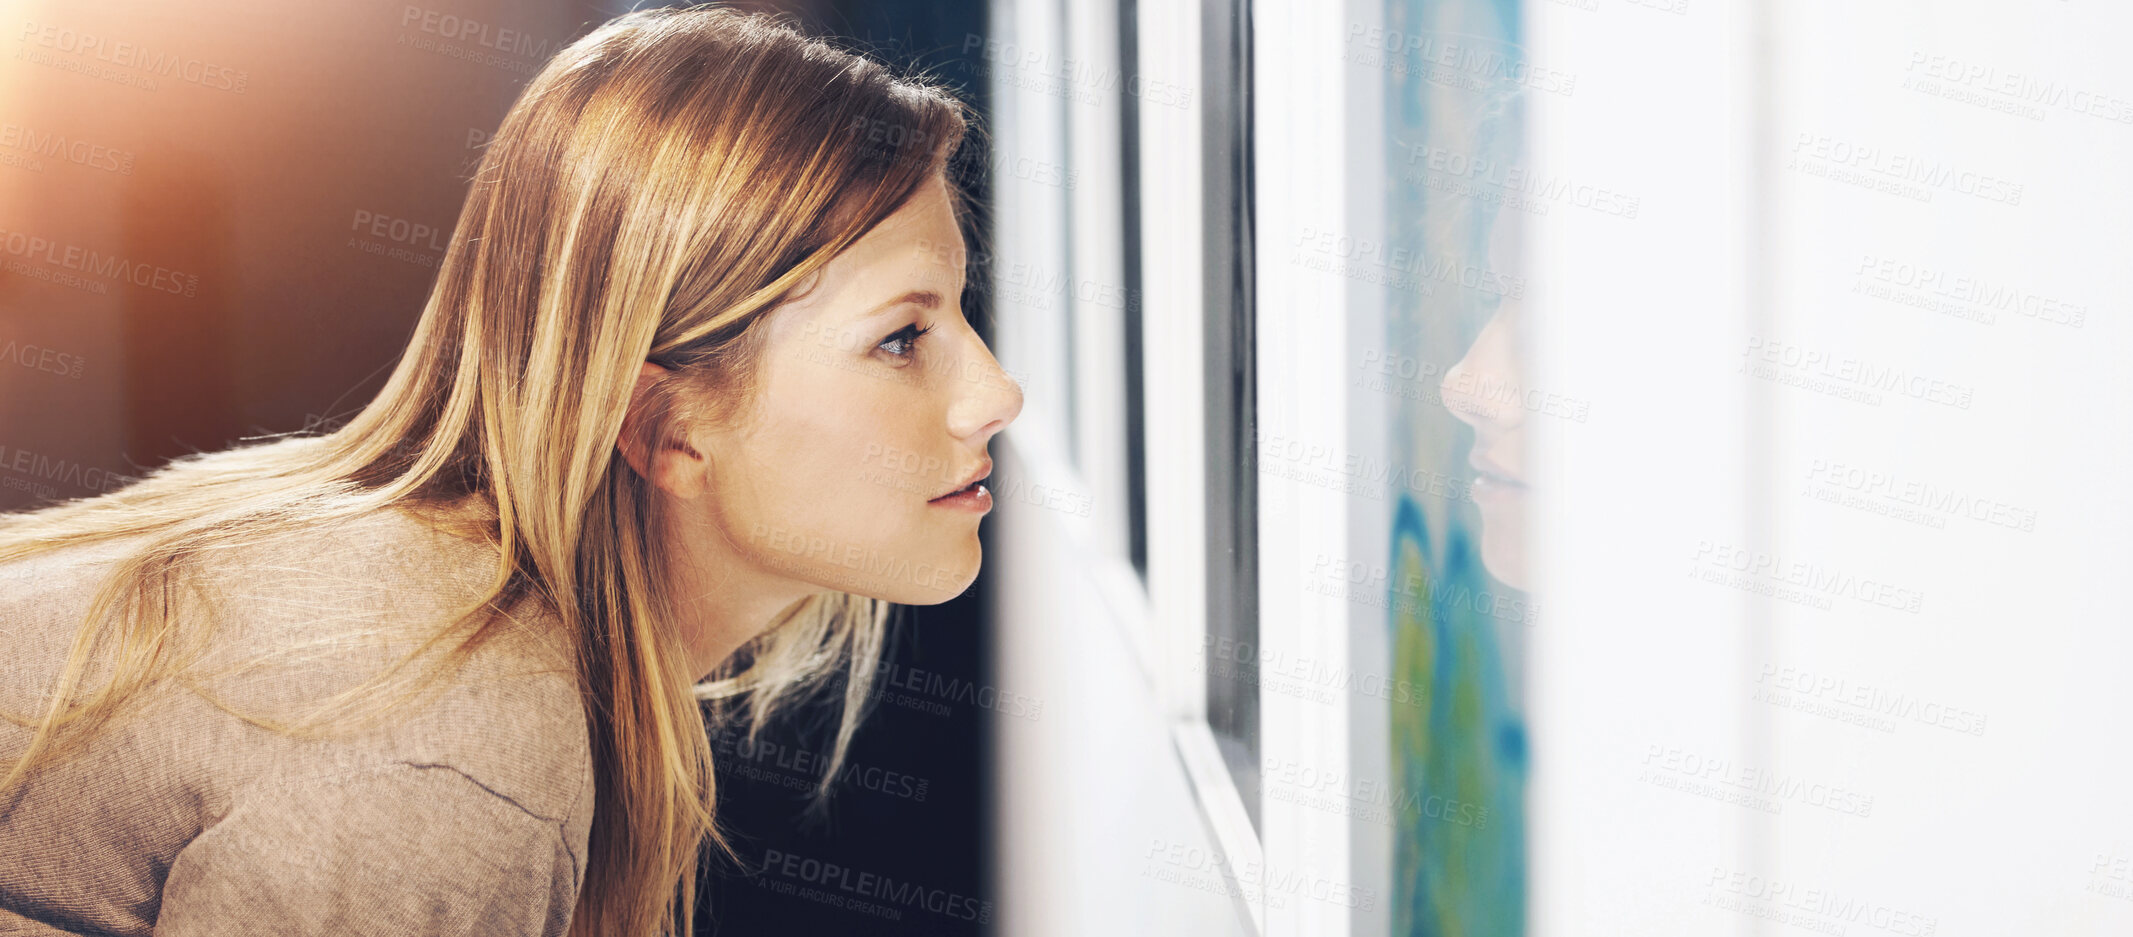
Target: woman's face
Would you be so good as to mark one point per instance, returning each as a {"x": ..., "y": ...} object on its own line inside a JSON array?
[
  {"x": 1499, "y": 456},
  {"x": 873, "y": 404},
  {"x": 1486, "y": 390}
]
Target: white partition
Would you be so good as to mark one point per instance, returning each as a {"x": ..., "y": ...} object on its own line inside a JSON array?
[{"x": 1834, "y": 640}]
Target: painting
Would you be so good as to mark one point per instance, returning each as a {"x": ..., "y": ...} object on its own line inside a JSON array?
[{"x": 1456, "y": 193}]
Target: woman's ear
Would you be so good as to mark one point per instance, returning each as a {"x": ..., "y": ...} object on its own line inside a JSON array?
[{"x": 673, "y": 465}]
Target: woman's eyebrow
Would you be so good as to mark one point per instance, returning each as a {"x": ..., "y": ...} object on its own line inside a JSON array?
[{"x": 929, "y": 299}]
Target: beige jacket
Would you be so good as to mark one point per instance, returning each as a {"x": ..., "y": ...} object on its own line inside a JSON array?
[{"x": 468, "y": 815}]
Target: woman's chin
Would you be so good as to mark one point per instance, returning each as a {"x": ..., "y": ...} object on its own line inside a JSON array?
[
  {"x": 957, "y": 582},
  {"x": 1503, "y": 550},
  {"x": 922, "y": 582}
]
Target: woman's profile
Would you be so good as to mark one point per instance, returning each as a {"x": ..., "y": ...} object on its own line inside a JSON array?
[{"x": 692, "y": 401}]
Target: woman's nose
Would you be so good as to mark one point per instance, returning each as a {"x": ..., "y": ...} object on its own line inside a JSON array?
[
  {"x": 1484, "y": 387},
  {"x": 988, "y": 397}
]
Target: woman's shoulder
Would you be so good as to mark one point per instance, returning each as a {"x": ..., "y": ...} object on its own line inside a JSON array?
[
  {"x": 43, "y": 598},
  {"x": 360, "y": 593},
  {"x": 380, "y": 566},
  {"x": 512, "y": 720},
  {"x": 296, "y": 618},
  {"x": 301, "y": 615}
]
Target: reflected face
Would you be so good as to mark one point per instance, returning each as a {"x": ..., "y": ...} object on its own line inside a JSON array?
[
  {"x": 1486, "y": 390},
  {"x": 856, "y": 468}
]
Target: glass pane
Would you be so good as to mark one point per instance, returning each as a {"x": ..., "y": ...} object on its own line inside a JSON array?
[
  {"x": 1232, "y": 469},
  {"x": 1130, "y": 176},
  {"x": 1453, "y": 73}
]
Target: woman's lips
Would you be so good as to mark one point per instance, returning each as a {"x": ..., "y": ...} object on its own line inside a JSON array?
[
  {"x": 1492, "y": 481},
  {"x": 977, "y": 473},
  {"x": 974, "y": 498},
  {"x": 1496, "y": 487}
]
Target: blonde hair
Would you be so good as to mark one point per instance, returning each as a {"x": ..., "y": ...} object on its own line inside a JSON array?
[{"x": 662, "y": 183}]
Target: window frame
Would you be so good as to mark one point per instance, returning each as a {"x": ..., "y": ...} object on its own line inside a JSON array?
[{"x": 1164, "y": 605}]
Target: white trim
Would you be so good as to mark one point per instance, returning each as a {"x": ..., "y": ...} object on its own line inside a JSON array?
[
  {"x": 1118, "y": 585},
  {"x": 1029, "y": 242},
  {"x": 1302, "y": 169},
  {"x": 1095, "y": 195},
  {"x": 1368, "y": 647},
  {"x": 1223, "y": 809},
  {"x": 1171, "y": 171},
  {"x": 1173, "y": 243}
]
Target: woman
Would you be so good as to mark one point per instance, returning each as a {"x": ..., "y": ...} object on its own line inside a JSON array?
[
  {"x": 1487, "y": 389},
  {"x": 692, "y": 401}
]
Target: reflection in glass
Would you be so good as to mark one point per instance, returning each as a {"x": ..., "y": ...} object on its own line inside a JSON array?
[{"x": 1453, "y": 72}]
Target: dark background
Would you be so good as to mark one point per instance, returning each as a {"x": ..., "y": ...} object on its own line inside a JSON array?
[
  {"x": 248, "y": 187},
  {"x": 929, "y": 742}
]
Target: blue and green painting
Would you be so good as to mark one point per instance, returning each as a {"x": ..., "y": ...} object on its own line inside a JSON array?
[{"x": 1454, "y": 75}]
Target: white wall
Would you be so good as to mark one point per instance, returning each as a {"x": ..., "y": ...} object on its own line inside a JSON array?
[{"x": 1710, "y": 758}]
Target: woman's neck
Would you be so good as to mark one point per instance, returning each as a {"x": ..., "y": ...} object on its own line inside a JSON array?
[{"x": 722, "y": 599}]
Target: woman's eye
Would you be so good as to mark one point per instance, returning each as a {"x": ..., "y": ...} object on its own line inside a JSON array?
[{"x": 904, "y": 341}]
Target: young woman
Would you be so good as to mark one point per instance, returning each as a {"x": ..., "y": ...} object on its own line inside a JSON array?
[{"x": 692, "y": 401}]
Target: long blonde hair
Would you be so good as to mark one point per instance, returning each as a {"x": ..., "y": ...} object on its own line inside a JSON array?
[{"x": 661, "y": 184}]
